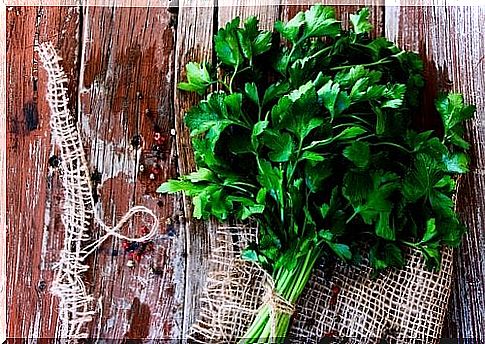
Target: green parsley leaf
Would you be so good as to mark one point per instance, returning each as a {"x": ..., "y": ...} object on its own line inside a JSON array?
[
  {"x": 201, "y": 175},
  {"x": 341, "y": 250},
  {"x": 198, "y": 78},
  {"x": 281, "y": 145},
  {"x": 453, "y": 112},
  {"x": 313, "y": 156},
  {"x": 360, "y": 21},
  {"x": 251, "y": 91},
  {"x": 174, "y": 186},
  {"x": 291, "y": 29},
  {"x": 227, "y": 44},
  {"x": 320, "y": 21},
  {"x": 262, "y": 43},
  {"x": 333, "y": 99},
  {"x": 359, "y": 153},
  {"x": 431, "y": 231},
  {"x": 249, "y": 255},
  {"x": 456, "y": 163}
]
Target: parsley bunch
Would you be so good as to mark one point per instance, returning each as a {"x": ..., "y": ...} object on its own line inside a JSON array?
[{"x": 308, "y": 131}]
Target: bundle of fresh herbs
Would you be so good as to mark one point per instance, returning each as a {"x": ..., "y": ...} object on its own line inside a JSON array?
[{"x": 308, "y": 131}]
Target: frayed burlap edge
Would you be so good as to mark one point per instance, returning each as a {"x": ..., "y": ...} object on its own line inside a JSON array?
[
  {"x": 347, "y": 303},
  {"x": 234, "y": 289}
]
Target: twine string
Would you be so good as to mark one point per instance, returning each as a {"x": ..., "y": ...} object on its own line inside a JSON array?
[
  {"x": 275, "y": 302},
  {"x": 116, "y": 230}
]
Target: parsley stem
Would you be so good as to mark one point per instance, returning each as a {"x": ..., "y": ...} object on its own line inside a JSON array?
[
  {"x": 320, "y": 52},
  {"x": 238, "y": 188},
  {"x": 352, "y": 217},
  {"x": 411, "y": 244},
  {"x": 354, "y": 116},
  {"x": 297, "y": 43},
  {"x": 244, "y": 69},
  {"x": 232, "y": 78},
  {"x": 376, "y": 63},
  {"x": 267, "y": 115},
  {"x": 289, "y": 284},
  {"x": 362, "y": 138},
  {"x": 256, "y": 328},
  {"x": 245, "y": 184},
  {"x": 297, "y": 160},
  {"x": 223, "y": 83},
  {"x": 343, "y": 125},
  {"x": 319, "y": 143},
  {"x": 392, "y": 145}
]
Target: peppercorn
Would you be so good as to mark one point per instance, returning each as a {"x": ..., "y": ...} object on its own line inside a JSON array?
[
  {"x": 144, "y": 230},
  {"x": 96, "y": 177},
  {"x": 156, "y": 148},
  {"x": 42, "y": 285},
  {"x": 137, "y": 257},
  {"x": 54, "y": 161},
  {"x": 156, "y": 271},
  {"x": 156, "y": 169},
  {"x": 171, "y": 231},
  {"x": 136, "y": 141}
]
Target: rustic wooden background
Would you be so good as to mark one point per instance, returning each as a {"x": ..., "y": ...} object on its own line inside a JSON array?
[{"x": 123, "y": 64}]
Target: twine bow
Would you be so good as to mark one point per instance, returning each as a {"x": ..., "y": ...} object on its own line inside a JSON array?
[{"x": 115, "y": 231}]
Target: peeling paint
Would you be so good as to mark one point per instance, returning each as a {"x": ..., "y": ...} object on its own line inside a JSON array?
[{"x": 113, "y": 160}]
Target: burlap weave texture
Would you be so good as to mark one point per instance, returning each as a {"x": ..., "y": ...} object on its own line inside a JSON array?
[
  {"x": 400, "y": 306},
  {"x": 343, "y": 302}
]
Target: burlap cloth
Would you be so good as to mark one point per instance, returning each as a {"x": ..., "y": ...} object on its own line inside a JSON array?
[{"x": 342, "y": 302}]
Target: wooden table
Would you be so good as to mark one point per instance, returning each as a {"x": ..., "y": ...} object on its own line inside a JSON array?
[{"x": 123, "y": 64}]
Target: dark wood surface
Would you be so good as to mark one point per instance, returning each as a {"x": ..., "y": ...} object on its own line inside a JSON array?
[{"x": 123, "y": 64}]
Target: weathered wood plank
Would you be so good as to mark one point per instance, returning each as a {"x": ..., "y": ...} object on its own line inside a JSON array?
[
  {"x": 33, "y": 241},
  {"x": 194, "y": 43},
  {"x": 3, "y": 179},
  {"x": 452, "y": 42},
  {"x": 126, "y": 104}
]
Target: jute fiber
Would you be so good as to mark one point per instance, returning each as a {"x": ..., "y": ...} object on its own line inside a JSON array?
[
  {"x": 234, "y": 290},
  {"x": 342, "y": 302},
  {"x": 76, "y": 305}
]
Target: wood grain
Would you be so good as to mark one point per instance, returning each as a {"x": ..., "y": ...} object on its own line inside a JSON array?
[
  {"x": 33, "y": 240},
  {"x": 194, "y": 43},
  {"x": 3, "y": 178},
  {"x": 452, "y": 42},
  {"x": 125, "y": 99}
]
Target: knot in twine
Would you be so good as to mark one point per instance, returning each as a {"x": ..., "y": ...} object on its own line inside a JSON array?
[{"x": 275, "y": 302}]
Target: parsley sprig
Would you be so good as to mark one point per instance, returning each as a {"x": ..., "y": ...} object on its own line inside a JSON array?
[{"x": 307, "y": 130}]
